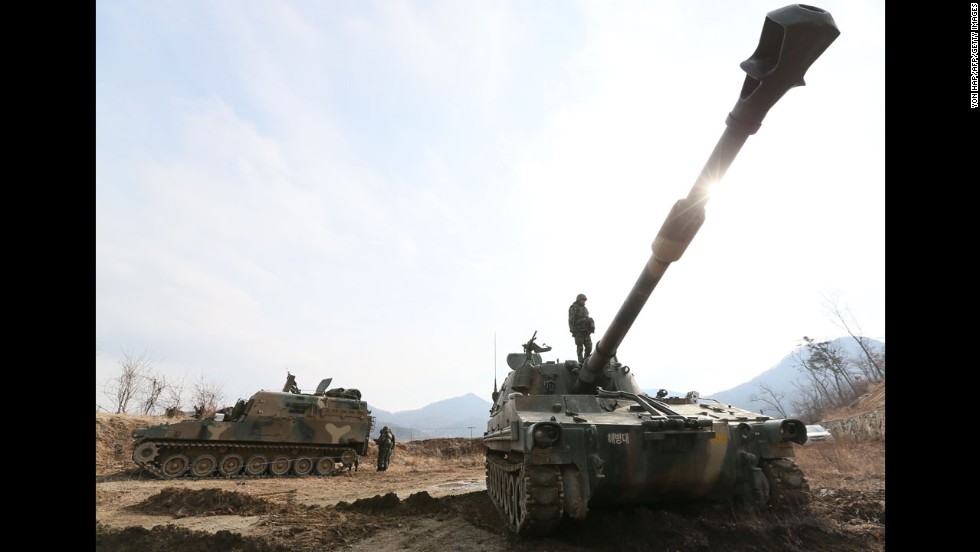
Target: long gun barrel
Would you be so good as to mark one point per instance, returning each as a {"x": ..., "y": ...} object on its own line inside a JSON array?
[{"x": 792, "y": 38}]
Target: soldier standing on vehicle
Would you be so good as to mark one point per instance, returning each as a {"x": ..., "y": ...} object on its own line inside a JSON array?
[
  {"x": 582, "y": 327},
  {"x": 386, "y": 444}
]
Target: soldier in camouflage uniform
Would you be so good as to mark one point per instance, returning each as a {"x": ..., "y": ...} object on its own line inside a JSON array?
[
  {"x": 386, "y": 444},
  {"x": 581, "y": 326},
  {"x": 391, "y": 449}
]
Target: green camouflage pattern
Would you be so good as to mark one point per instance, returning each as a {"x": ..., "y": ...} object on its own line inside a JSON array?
[
  {"x": 620, "y": 446},
  {"x": 582, "y": 326},
  {"x": 273, "y": 434},
  {"x": 578, "y": 318}
]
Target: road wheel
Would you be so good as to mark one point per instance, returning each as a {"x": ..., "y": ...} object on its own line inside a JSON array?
[
  {"x": 325, "y": 466},
  {"x": 256, "y": 465},
  {"x": 175, "y": 466},
  {"x": 203, "y": 466},
  {"x": 230, "y": 465},
  {"x": 303, "y": 466},
  {"x": 280, "y": 466}
]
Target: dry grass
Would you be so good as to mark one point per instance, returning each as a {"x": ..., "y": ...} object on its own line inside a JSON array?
[
  {"x": 114, "y": 439},
  {"x": 827, "y": 464},
  {"x": 872, "y": 399},
  {"x": 434, "y": 455}
]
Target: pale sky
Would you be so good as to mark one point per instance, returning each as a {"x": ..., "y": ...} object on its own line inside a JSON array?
[{"x": 396, "y": 194}]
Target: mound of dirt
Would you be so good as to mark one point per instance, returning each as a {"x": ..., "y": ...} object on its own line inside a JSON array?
[
  {"x": 203, "y": 502},
  {"x": 167, "y": 538},
  {"x": 417, "y": 503},
  {"x": 375, "y": 504}
]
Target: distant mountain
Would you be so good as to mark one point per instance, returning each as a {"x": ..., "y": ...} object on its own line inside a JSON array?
[
  {"x": 782, "y": 379},
  {"x": 464, "y": 416}
]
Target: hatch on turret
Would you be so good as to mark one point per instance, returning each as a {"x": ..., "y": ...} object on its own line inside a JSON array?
[{"x": 516, "y": 360}]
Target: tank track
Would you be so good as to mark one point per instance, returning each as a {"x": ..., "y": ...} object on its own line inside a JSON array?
[
  {"x": 788, "y": 487},
  {"x": 530, "y": 497},
  {"x": 172, "y": 460}
]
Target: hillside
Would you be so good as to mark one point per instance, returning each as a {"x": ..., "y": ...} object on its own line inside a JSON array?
[
  {"x": 783, "y": 381},
  {"x": 872, "y": 399}
]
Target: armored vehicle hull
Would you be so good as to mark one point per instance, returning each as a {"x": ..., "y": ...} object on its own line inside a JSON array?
[
  {"x": 552, "y": 453},
  {"x": 566, "y": 436},
  {"x": 273, "y": 434}
]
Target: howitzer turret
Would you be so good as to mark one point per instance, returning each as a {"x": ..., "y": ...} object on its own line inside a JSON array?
[{"x": 564, "y": 436}]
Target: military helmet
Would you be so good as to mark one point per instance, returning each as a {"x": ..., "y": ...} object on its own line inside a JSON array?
[{"x": 581, "y": 296}]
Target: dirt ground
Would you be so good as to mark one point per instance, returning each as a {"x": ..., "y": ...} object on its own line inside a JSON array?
[{"x": 432, "y": 498}]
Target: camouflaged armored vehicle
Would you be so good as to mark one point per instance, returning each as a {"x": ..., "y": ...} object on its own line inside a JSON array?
[
  {"x": 275, "y": 433},
  {"x": 564, "y": 437}
]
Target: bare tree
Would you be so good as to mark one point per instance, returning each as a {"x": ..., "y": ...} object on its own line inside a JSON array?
[
  {"x": 829, "y": 358},
  {"x": 129, "y": 384},
  {"x": 835, "y": 379},
  {"x": 820, "y": 387},
  {"x": 153, "y": 389},
  {"x": 873, "y": 363},
  {"x": 808, "y": 404},
  {"x": 770, "y": 397},
  {"x": 206, "y": 397},
  {"x": 172, "y": 400}
]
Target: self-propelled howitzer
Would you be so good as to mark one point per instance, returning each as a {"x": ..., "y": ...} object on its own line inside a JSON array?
[
  {"x": 564, "y": 436},
  {"x": 274, "y": 434}
]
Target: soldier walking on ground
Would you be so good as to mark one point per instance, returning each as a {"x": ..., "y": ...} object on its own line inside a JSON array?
[
  {"x": 386, "y": 444},
  {"x": 581, "y": 326}
]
